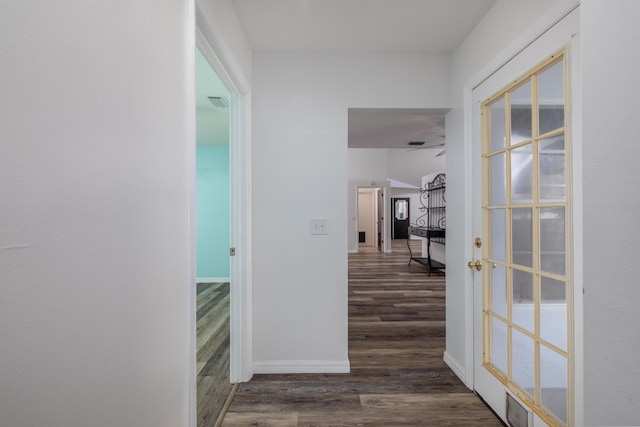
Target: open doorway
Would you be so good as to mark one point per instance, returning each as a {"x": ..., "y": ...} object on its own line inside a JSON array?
[
  {"x": 394, "y": 149},
  {"x": 240, "y": 249},
  {"x": 212, "y": 235},
  {"x": 370, "y": 223},
  {"x": 391, "y": 154}
]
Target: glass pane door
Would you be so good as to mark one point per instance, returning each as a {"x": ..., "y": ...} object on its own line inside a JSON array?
[{"x": 525, "y": 211}]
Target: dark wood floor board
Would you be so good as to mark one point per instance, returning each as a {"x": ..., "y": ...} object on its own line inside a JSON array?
[
  {"x": 209, "y": 409},
  {"x": 214, "y": 302},
  {"x": 219, "y": 361},
  {"x": 212, "y": 351},
  {"x": 214, "y": 311},
  {"x": 396, "y": 346},
  {"x": 206, "y": 287},
  {"x": 302, "y": 401},
  {"x": 205, "y": 292},
  {"x": 238, "y": 419},
  {"x": 210, "y": 341},
  {"x": 395, "y": 418}
]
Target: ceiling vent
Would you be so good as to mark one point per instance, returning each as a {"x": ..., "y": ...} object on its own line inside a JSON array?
[{"x": 219, "y": 101}]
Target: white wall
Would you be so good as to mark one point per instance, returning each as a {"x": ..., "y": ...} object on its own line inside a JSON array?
[
  {"x": 611, "y": 89},
  {"x": 368, "y": 164},
  {"x": 501, "y": 26},
  {"x": 410, "y": 166},
  {"x": 301, "y": 102},
  {"x": 95, "y": 256}
]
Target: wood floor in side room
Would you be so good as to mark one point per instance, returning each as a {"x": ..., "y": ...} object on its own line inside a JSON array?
[
  {"x": 212, "y": 350},
  {"x": 396, "y": 345}
]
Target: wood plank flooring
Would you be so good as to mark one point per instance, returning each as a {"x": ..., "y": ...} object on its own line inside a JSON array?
[
  {"x": 212, "y": 350},
  {"x": 396, "y": 345}
]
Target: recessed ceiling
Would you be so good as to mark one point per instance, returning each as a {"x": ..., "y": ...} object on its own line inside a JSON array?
[
  {"x": 434, "y": 26},
  {"x": 395, "y": 127}
]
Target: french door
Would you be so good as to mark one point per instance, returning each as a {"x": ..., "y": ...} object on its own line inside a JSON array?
[{"x": 523, "y": 286}]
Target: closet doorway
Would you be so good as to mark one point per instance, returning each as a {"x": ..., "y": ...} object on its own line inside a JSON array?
[
  {"x": 370, "y": 219},
  {"x": 213, "y": 269}
]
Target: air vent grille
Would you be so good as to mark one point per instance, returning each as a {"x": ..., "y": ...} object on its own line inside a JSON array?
[
  {"x": 219, "y": 101},
  {"x": 517, "y": 414}
]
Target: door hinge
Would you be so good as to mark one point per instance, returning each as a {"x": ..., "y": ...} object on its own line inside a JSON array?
[{"x": 232, "y": 251}]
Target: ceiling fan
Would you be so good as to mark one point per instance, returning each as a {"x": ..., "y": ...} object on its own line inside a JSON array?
[{"x": 432, "y": 142}]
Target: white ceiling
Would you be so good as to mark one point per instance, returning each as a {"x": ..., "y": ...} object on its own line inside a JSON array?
[
  {"x": 212, "y": 124},
  {"x": 427, "y": 26},
  {"x": 395, "y": 127},
  {"x": 435, "y": 26}
]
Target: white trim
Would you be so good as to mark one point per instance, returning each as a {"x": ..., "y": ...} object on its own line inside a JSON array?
[
  {"x": 302, "y": 367},
  {"x": 468, "y": 232},
  {"x": 554, "y": 15},
  {"x": 454, "y": 365},
  {"x": 241, "y": 357},
  {"x": 227, "y": 69},
  {"x": 213, "y": 279},
  {"x": 386, "y": 233},
  {"x": 577, "y": 219},
  {"x": 547, "y": 21},
  {"x": 190, "y": 91},
  {"x": 241, "y": 366},
  {"x": 353, "y": 251}
]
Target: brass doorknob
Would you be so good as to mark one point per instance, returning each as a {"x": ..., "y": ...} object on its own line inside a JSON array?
[{"x": 477, "y": 264}]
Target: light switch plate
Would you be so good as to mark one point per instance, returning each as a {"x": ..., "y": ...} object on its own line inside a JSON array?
[{"x": 319, "y": 226}]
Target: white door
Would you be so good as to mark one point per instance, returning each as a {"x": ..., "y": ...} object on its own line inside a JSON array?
[{"x": 523, "y": 284}]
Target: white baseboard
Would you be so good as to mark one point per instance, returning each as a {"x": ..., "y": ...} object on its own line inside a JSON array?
[
  {"x": 302, "y": 367},
  {"x": 213, "y": 279},
  {"x": 455, "y": 367},
  {"x": 352, "y": 251}
]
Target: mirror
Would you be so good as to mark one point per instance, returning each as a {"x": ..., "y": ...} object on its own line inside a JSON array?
[{"x": 401, "y": 209}]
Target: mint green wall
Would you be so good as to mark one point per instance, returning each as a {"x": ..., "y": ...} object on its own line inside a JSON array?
[{"x": 212, "y": 211}]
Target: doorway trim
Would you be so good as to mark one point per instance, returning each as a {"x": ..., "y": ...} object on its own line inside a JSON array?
[
  {"x": 386, "y": 213},
  {"x": 555, "y": 14},
  {"x": 373, "y": 212},
  {"x": 241, "y": 359}
]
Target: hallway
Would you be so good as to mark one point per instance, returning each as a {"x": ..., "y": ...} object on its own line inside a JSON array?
[{"x": 396, "y": 343}]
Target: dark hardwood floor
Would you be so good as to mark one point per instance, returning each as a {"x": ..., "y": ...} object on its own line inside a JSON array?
[
  {"x": 396, "y": 345},
  {"x": 212, "y": 351}
]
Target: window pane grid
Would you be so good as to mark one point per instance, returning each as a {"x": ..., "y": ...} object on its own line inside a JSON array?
[{"x": 536, "y": 284}]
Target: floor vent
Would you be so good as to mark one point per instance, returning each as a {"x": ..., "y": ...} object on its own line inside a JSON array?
[
  {"x": 517, "y": 414},
  {"x": 361, "y": 237}
]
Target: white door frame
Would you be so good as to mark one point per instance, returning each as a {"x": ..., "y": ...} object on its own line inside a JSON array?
[
  {"x": 241, "y": 363},
  {"x": 386, "y": 209},
  {"x": 554, "y": 15},
  {"x": 373, "y": 225}
]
